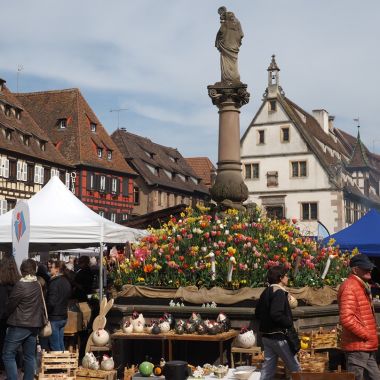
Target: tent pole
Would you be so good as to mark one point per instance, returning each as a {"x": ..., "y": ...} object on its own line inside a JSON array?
[{"x": 101, "y": 272}]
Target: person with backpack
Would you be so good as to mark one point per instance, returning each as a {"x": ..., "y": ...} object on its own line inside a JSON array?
[{"x": 276, "y": 323}]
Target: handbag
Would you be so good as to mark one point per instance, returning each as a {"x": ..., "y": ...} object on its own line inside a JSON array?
[
  {"x": 293, "y": 340},
  {"x": 45, "y": 330}
]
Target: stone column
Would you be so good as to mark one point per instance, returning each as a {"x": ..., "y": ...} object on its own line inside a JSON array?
[{"x": 229, "y": 187}]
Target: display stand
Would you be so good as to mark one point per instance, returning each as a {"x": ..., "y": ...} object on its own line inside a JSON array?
[{"x": 250, "y": 352}]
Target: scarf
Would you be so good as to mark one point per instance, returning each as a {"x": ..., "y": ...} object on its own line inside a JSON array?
[{"x": 28, "y": 278}]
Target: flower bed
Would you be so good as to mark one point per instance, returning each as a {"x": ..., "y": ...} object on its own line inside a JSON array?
[{"x": 229, "y": 250}]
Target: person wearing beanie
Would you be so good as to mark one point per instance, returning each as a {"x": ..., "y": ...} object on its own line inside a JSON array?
[{"x": 359, "y": 339}]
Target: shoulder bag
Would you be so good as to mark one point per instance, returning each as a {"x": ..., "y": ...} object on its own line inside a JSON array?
[{"x": 46, "y": 329}]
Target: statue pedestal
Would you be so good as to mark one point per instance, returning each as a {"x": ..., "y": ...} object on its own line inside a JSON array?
[{"x": 229, "y": 185}]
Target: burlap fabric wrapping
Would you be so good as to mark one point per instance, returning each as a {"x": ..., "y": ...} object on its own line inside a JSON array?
[{"x": 315, "y": 297}]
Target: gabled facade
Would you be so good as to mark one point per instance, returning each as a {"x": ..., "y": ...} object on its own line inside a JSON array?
[
  {"x": 164, "y": 177},
  {"x": 297, "y": 165},
  {"x": 102, "y": 178},
  {"x": 27, "y": 156},
  {"x": 204, "y": 169}
]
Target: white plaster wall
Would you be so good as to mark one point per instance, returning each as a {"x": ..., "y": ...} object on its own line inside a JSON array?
[{"x": 326, "y": 213}]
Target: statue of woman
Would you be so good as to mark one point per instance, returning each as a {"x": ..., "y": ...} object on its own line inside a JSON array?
[{"x": 228, "y": 42}]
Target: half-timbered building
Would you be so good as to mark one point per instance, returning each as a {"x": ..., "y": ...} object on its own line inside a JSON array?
[
  {"x": 102, "y": 180},
  {"x": 27, "y": 156}
]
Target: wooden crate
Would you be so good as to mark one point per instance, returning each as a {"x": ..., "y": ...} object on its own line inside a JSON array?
[
  {"x": 95, "y": 374},
  {"x": 58, "y": 365},
  {"x": 313, "y": 362},
  {"x": 74, "y": 322},
  {"x": 323, "y": 339}
]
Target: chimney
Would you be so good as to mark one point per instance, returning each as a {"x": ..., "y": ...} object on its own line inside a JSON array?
[
  {"x": 322, "y": 116},
  {"x": 123, "y": 129},
  {"x": 331, "y": 123},
  {"x": 2, "y": 82}
]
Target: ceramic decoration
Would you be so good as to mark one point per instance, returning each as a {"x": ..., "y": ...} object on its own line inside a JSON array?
[
  {"x": 169, "y": 318},
  {"x": 195, "y": 318},
  {"x": 127, "y": 327},
  {"x": 201, "y": 329},
  {"x": 148, "y": 328},
  {"x": 146, "y": 369},
  {"x": 246, "y": 338},
  {"x": 156, "y": 329},
  {"x": 100, "y": 337},
  {"x": 224, "y": 321},
  {"x": 89, "y": 361},
  {"x": 137, "y": 318},
  {"x": 180, "y": 327},
  {"x": 138, "y": 327},
  {"x": 190, "y": 327},
  {"x": 107, "y": 363},
  {"x": 164, "y": 326}
]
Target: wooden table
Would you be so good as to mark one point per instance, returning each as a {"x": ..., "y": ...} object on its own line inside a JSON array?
[{"x": 171, "y": 336}]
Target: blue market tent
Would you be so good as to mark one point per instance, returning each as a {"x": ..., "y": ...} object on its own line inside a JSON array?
[{"x": 363, "y": 234}]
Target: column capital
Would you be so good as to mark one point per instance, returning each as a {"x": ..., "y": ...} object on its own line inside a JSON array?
[{"x": 221, "y": 93}]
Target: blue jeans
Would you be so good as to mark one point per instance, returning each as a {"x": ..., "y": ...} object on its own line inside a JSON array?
[
  {"x": 273, "y": 349},
  {"x": 56, "y": 339},
  {"x": 16, "y": 337}
]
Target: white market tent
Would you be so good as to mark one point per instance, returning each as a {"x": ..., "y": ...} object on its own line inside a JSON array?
[{"x": 59, "y": 220}]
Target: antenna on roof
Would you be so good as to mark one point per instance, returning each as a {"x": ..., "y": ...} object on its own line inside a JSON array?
[
  {"x": 358, "y": 121},
  {"x": 19, "y": 69},
  {"x": 118, "y": 114}
]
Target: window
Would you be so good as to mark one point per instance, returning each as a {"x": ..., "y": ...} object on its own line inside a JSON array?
[
  {"x": 272, "y": 179},
  {"x": 272, "y": 105},
  {"x": 22, "y": 171},
  {"x": 4, "y": 168},
  {"x": 252, "y": 171},
  {"x": 275, "y": 212},
  {"x": 113, "y": 217},
  {"x": 7, "y": 110},
  {"x": 102, "y": 183},
  {"x": 285, "y": 134},
  {"x": 8, "y": 134},
  {"x": 3, "y": 206},
  {"x": 54, "y": 172},
  {"x": 43, "y": 145},
  {"x": 11, "y": 204},
  {"x": 67, "y": 180},
  {"x": 299, "y": 169},
  {"x": 101, "y": 213},
  {"x": 261, "y": 136},
  {"x": 39, "y": 174},
  {"x": 93, "y": 127},
  {"x": 136, "y": 195},
  {"x": 114, "y": 186},
  {"x": 100, "y": 152},
  {"x": 62, "y": 123},
  {"x": 30, "y": 176},
  {"x": 109, "y": 154},
  {"x": 26, "y": 140},
  {"x": 159, "y": 198},
  {"x": 12, "y": 170},
  {"x": 90, "y": 181},
  {"x": 309, "y": 211}
]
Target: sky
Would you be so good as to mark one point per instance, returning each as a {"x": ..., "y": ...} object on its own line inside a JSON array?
[{"x": 155, "y": 58}]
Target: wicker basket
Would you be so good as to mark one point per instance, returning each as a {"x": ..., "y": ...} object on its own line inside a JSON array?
[{"x": 313, "y": 362}]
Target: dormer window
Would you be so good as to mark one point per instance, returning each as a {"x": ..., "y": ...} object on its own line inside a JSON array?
[
  {"x": 100, "y": 152},
  {"x": 174, "y": 159},
  {"x": 62, "y": 123},
  {"x": 27, "y": 140},
  {"x": 109, "y": 155},
  {"x": 272, "y": 105},
  {"x": 93, "y": 127},
  {"x": 18, "y": 114},
  {"x": 43, "y": 145},
  {"x": 8, "y": 134},
  {"x": 7, "y": 111}
]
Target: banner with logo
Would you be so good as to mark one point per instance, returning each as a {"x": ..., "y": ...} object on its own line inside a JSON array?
[{"x": 20, "y": 231}]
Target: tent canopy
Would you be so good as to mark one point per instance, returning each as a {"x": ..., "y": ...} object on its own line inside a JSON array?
[
  {"x": 59, "y": 220},
  {"x": 363, "y": 234}
]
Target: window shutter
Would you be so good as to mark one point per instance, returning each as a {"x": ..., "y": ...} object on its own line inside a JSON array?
[
  {"x": 88, "y": 180},
  {"x": 36, "y": 174},
  {"x": 46, "y": 175},
  {"x": 5, "y": 168},
  {"x": 97, "y": 182},
  {"x": 125, "y": 187},
  {"x": 24, "y": 171},
  {"x": 2, "y": 167},
  {"x": 108, "y": 184},
  {"x": 3, "y": 206},
  {"x": 19, "y": 171},
  {"x": 67, "y": 180},
  {"x": 42, "y": 173},
  {"x": 117, "y": 185}
]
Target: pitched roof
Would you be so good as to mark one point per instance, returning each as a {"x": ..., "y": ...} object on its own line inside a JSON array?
[
  {"x": 76, "y": 142},
  {"x": 203, "y": 168},
  {"x": 26, "y": 125},
  {"x": 157, "y": 164}
]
